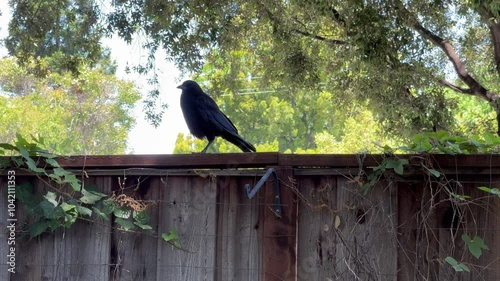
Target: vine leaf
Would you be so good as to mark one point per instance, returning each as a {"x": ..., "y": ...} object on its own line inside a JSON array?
[
  {"x": 456, "y": 265},
  {"x": 125, "y": 224},
  {"x": 433, "y": 172},
  {"x": 475, "y": 245},
  {"x": 494, "y": 191},
  {"x": 100, "y": 214},
  {"x": 172, "y": 237},
  {"x": 91, "y": 197},
  {"x": 397, "y": 165},
  {"x": 38, "y": 228}
]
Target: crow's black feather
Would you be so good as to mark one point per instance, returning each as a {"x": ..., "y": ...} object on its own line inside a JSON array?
[{"x": 205, "y": 120}]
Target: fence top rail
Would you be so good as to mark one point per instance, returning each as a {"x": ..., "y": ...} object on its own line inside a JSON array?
[{"x": 266, "y": 159}]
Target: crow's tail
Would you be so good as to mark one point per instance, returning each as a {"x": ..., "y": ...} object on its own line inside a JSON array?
[{"x": 239, "y": 142}]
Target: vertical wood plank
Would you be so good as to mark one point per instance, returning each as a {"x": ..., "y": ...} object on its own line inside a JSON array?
[
  {"x": 317, "y": 239},
  {"x": 482, "y": 218},
  {"x": 239, "y": 235},
  {"x": 133, "y": 253},
  {"x": 280, "y": 234},
  {"x": 82, "y": 252},
  {"x": 407, "y": 255},
  {"x": 367, "y": 235},
  {"x": 34, "y": 258},
  {"x": 189, "y": 207},
  {"x": 78, "y": 253},
  {"x": 422, "y": 239}
]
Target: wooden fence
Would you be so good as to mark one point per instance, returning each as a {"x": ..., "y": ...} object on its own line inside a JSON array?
[{"x": 402, "y": 229}]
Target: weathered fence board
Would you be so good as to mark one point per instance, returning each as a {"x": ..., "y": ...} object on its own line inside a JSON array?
[
  {"x": 239, "y": 247},
  {"x": 318, "y": 221},
  {"x": 78, "y": 253},
  {"x": 134, "y": 254},
  {"x": 189, "y": 206},
  {"x": 280, "y": 234},
  {"x": 402, "y": 229},
  {"x": 366, "y": 249}
]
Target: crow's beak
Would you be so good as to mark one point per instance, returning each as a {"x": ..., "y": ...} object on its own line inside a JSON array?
[{"x": 180, "y": 87}]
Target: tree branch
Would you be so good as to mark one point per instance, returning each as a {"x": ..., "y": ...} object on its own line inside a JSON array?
[
  {"x": 486, "y": 17},
  {"x": 495, "y": 38},
  {"x": 336, "y": 17},
  {"x": 477, "y": 88},
  {"x": 452, "y": 55},
  {"x": 321, "y": 38},
  {"x": 456, "y": 88}
]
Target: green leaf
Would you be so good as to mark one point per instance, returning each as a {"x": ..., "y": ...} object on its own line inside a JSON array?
[
  {"x": 109, "y": 206},
  {"x": 172, "y": 237},
  {"x": 51, "y": 197},
  {"x": 8, "y": 146},
  {"x": 484, "y": 188},
  {"x": 460, "y": 197},
  {"x": 20, "y": 141},
  {"x": 38, "y": 228},
  {"x": 122, "y": 213},
  {"x": 70, "y": 214},
  {"x": 433, "y": 172},
  {"x": 475, "y": 245},
  {"x": 100, "y": 214},
  {"x": 91, "y": 197},
  {"x": 456, "y": 265},
  {"x": 32, "y": 165},
  {"x": 125, "y": 224},
  {"x": 84, "y": 211},
  {"x": 141, "y": 217},
  {"x": 143, "y": 226},
  {"x": 26, "y": 195},
  {"x": 397, "y": 165},
  {"x": 73, "y": 181},
  {"x": 67, "y": 207},
  {"x": 52, "y": 162},
  {"x": 58, "y": 171},
  {"x": 50, "y": 211},
  {"x": 494, "y": 191}
]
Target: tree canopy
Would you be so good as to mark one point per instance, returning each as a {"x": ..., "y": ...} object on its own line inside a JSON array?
[
  {"x": 411, "y": 64},
  {"x": 90, "y": 114},
  {"x": 42, "y": 28}
]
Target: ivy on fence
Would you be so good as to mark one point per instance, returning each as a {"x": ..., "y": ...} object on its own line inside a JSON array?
[
  {"x": 435, "y": 143},
  {"x": 68, "y": 198}
]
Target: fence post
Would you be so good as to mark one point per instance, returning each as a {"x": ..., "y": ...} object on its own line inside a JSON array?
[{"x": 280, "y": 234}]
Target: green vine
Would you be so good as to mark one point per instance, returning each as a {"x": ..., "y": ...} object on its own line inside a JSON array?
[
  {"x": 437, "y": 143},
  {"x": 58, "y": 207}
]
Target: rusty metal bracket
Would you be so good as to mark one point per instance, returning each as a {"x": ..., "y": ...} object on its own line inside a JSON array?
[{"x": 252, "y": 191}]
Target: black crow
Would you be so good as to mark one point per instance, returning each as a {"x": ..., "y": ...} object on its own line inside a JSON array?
[{"x": 205, "y": 120}]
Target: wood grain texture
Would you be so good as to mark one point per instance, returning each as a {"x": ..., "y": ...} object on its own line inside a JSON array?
[
  {"x": 331, "y": 231},
  {"x": 134, "y": 254},
  {"x": 367, "y": 235},
  {"x": 188, "y": 205},
  {"x": 239, "y": 235},
  {"x": 78, "y": 253},
  {"x": 482, "y": 218},
  {"x": 316, "y": 222},
  {"x": 480, "y": 163},
  {"x": 280, "y": 234}
]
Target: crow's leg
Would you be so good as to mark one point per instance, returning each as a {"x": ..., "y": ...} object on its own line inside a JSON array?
[{"x": 208, "y": 145}]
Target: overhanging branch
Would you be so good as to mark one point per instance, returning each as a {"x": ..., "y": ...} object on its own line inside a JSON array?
[
  {"x": 456, "y": 88},
  {"x": 474, "y": 86},
  {"x": 321, "y": 38}
]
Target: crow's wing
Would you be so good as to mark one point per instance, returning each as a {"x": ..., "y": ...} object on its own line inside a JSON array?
[{"x": 212, "y": 115}]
